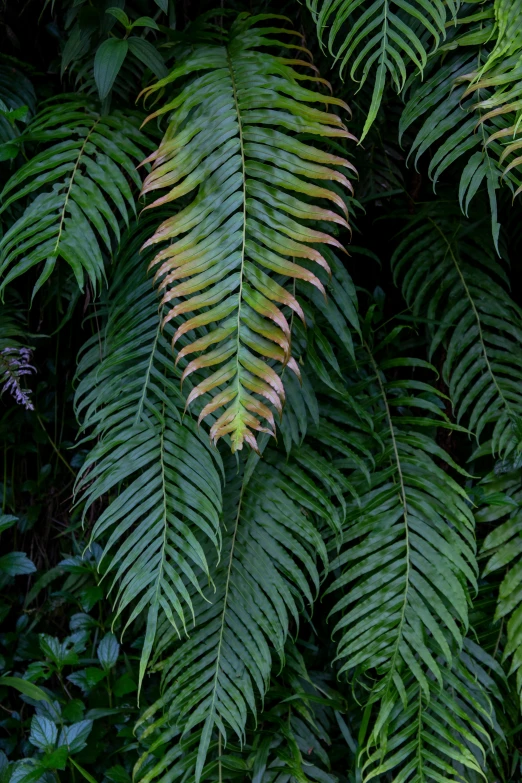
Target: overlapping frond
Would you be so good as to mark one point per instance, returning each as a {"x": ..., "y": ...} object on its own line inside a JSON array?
[
  {"x": 471, "y": 106},
  {"x": 450, "y": 276},
  {"x": 502, "y": 547},
  {"x": 406, "y": 563},
  {"x": 302, "y": 717},
  {"x": 161, "y": 477},
  {"x": 381, "y": 39},
  {"x": 443, "y": 735},
  {"x": 79, "y": 188},
  {"x": 258, "y": 193},
  {"x": 267, "y": 573},
  {"x": 17, "y": 104}
]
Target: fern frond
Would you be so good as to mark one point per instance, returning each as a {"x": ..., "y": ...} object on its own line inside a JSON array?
[
  {"x": 17, "y": 103},
  {"x": 79, "y": 186},
  {"x": 470, "y": 104},
  {"x": 302, "y": 715},
  {"x": 504, "y": 552},
  {"x": 496, "y": 89},
  {"x": 450, "y": 276},
  {"x": 162, "y": 479},
  {"x": 381, "y": 39},
  {"x": 232, "y": 138},
  {"x": 267, "y": 571},
  {"x": 443, "y": 734},
  {"x": 407, "y": 559}
]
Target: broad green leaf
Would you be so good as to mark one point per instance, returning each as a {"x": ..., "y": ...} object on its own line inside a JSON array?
[
  {"x": 44, "y": 733},
  {"x": 107, "y": 63},
  {"x": 15, "y": 564},
  {"x": 107, "y": 651},
  {"x": 149, "y": 55},
  {"x": 24, "y": 686}
]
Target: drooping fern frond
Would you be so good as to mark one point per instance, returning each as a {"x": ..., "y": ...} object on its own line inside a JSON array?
[
  {"x": 445, "y": 735},
  {"x": 292, "y": 741},
  {"x": 79, "y": 189},
  {"x": 496, "y": 88},
  {"x": 267, "y": 572},
  {"x": 381, "y": 39},
  {"x": 502, "y": 547},
  {"x": 470, "y": 106},
  {"x": 450, "y": 276},
  {"x": 406, "y": 564},
  {"x": 257, "y": 192},
  {"x": 302, "y": 717},
  {"x": 160, "y": 475}
]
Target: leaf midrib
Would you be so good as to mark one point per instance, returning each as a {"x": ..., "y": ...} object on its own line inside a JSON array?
[
  {"x": 69, "y": 188},
  {"x": 243, "y": 240},
  {"x": 402, "y": 494}
]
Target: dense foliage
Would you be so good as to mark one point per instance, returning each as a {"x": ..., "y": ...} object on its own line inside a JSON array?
[{"x": 261, "y": 391}]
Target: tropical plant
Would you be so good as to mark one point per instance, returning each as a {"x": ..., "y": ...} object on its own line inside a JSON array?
[{"x": 261, "y": 396}]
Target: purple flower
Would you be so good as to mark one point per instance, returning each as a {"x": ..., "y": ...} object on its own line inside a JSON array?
[{"x": 14, "y": 363}]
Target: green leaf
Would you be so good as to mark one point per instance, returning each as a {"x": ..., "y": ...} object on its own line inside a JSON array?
[
  {"x": 378, "y": 40},
  {"x": 56, "y": 759},
  {"x": 7, "y": 521},
  {"x": 124, "y": 685},
  {"x": 108, "y": 651},
  {"x": 107, "y": 63},
  {"x": 25, "y": 687},
  {"x": 15, "y": 564},
  {"x": 74, "y": 737},
  {"x": 145, "y": 21},
  {"x": 60, "y": 653},
  {"x": 120, "y": 15},
  {"x": 454, "y": 276},
  {"x": 268, "y": 568},
  {"x": 149, "y": 55},
  {"x": 44, "y": 733},
  {"x": 83, "y": 771},
  {"x": 86, "y": 679}
]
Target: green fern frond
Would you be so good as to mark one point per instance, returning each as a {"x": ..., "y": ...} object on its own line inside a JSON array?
[
  {"x": 443, "y": 734},
  {"x": 381, "y": 39},
  {"x": 266, "y": 573},
  {"x": 302, "y": 716},
  {"x": 161, "y": 477},
  {"x": 450, "y": 276},
  {"x": 80, "y": 190},
  {"x": 496, "y": 90},
  {"x": 472, "y": 101},
  {"x": 504, "y": 552},
  {"x": 232, "y": 139},
  {"x": 407, "y": 559}
]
